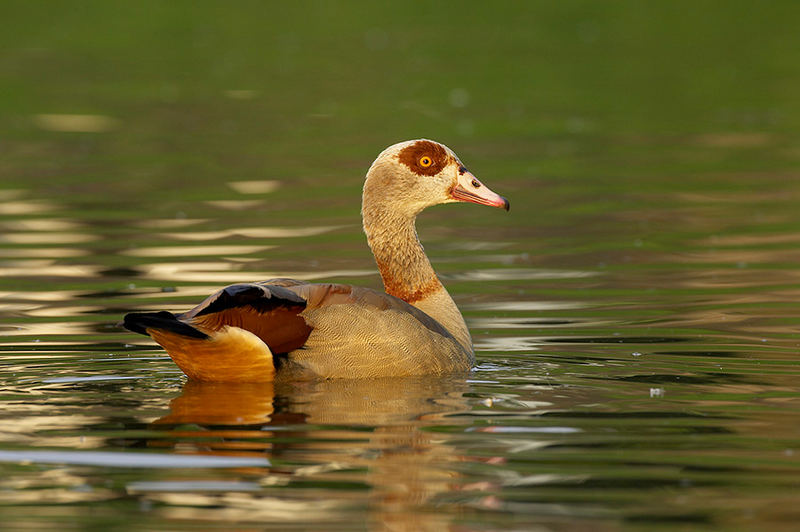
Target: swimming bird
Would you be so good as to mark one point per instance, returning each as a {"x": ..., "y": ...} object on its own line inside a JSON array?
[{"x": 284, "y": 328}]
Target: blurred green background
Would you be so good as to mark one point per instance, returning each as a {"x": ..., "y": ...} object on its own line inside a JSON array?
[{"x": 532, "y": 88}]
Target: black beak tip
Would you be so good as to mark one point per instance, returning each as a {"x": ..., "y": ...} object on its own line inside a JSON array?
[{"x": 506, "y": 204}]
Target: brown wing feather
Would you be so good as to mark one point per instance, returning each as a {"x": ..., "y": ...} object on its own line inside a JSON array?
[
  {"x": 283, "y": 330},
  {"x": 271, "y": 312}
]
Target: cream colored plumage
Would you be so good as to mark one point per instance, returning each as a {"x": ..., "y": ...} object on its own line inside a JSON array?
[{"x": 289, "y": 329}]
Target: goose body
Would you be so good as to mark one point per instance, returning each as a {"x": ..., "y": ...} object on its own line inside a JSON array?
[{"x": 283, "y": 328}]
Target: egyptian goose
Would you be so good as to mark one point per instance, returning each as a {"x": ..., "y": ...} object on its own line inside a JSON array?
[{"x": 283, "y": 328}]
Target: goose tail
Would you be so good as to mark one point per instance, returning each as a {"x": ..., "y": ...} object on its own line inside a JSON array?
[{"x": 228, "y": 354}]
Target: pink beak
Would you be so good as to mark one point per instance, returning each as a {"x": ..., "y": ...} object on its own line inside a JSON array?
[{"x": 468, "y": 188}]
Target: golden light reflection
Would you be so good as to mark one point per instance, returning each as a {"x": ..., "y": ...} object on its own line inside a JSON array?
[
  {"x": 36, "y": 346},
  {"x": 47, "y": 238},
  {"x": 45, "y": 478},
  {"x": 16, "y": 307},
  {"x": 235, "y": 205},
  {"x": 514, "y": 274},
  {"x": 23, "y": 208},
  {"x": 169, "y": 223},
  {"x": 56, "y": 496},
  {"x": 218, "y": 271},
  {"x": 51, "y": 311},
  {"x": 255, "y": 232},
  {"x": 223, "y": 272},
  {"x": 519, "y": 258},
  {"x": 32, "y": 295},
  {"x": 507, "y": 322},
  {"x": 527, "y": 306},
  {"x": 72, "y": 442},
  {"x": 194, "y": 251},
  {"x": 50, "y": 253},
  {"x": 28, "y": 421},
  {"x": 40, "y": 224},
  {"x": 254, "y": 187},
  {"x": 75, "y": 123},
  {"x": 517, "y": 343},
  {"x": 49, "y": 329},
  {"x": 244, "y": 507},
  {"x": 42, "y": 268},
  {"x": 477, "y": 246}
]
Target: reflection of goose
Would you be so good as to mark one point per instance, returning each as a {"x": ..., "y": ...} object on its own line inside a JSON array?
[
  {"x": 379, "y": 402},
  {"x": 247, "y": 332},
  {"x": 214, "y": 403},
  {"x": 349, "y": 432}
]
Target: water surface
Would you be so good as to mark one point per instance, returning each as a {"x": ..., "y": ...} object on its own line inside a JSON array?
[{"x": 636, "y": 315}]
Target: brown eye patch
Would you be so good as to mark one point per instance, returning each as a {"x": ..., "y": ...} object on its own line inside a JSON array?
[{"x": 424, "y": 157}]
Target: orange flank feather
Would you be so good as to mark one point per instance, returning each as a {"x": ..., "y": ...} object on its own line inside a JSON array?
[{"x": 230, "y": 354}]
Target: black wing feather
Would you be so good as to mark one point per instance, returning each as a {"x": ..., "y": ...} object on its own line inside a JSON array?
[
  {"x": 260, "y": 298},
  {"x": 139, "y": 322}
]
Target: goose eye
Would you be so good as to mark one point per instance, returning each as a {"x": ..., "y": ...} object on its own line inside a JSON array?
[{"x": 425, "y": 161}]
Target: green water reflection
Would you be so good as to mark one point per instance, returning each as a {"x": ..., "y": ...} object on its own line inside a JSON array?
[{"x": 636, "y": 315}]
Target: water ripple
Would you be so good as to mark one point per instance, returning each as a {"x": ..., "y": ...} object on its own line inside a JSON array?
[{"x": 128, "y": 459}]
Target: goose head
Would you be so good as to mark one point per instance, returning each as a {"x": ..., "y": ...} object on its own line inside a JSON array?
[{"x": 410, "y": 176}]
